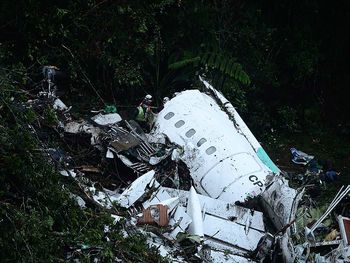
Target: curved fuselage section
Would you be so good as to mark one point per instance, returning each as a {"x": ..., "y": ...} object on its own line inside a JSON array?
[{"x": 222, "y": 161}]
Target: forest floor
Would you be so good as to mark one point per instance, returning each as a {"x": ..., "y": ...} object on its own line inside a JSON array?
[{"x": 325, "y": 146}]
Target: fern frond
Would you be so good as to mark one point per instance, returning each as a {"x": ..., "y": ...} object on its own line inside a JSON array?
[
  {"x": 183, "y": 63},
  {"x": 218, "y": 60}
]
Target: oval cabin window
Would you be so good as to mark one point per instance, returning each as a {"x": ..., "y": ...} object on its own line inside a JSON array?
[
  {"x": 201, "y": 142},
  {"x": 169, "y": 115},
  {"x": 179, "y": 124},
  {"x": 190, "y": 133},
  {"x": 210, "y": 150}
]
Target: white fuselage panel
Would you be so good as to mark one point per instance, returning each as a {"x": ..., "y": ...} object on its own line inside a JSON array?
[{"x": 221, "y": 160}]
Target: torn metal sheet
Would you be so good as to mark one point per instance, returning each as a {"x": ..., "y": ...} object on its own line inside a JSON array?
[
  {"x": 119, "y": 145},
  {"x": 122, "y": 140},
  {"x": 222, "y": 246},
  {"x": 137, "y": 166},
  {"x": 68, "y": 173},
  {"x": 80, "y": 201},
  {"x": 109, "y": 154},
  {"x": 231, "y": 233},
  {"x": 106, "y": 119},
  {"x": 287, "y": 247},
  {"x": 137, "y": 189},
  {"x": 223, "y": 223},
  {"x": 171, "y": 253},
  {"x": 194, "y": 210},
  {"x": 161, "y": 196},
  {"x": 326, "y": 243},
  {"x": 59, "y": 105},
  {"x": 83, "y": 126},
  {"x": 104, "y": 197},
  {"x": 238, "y": 214},
  {"x": 220, "y": 256},
  {"x": 154, "y": 160},
  {"x": 116, "y": 218},
  {"x": 125, "y": 160},
  {"x": 180, "y": 221},
  {"x": 281, "y": 202},
  {"x": 223, "y": 163},
  {"x": 136, "y": 129}
]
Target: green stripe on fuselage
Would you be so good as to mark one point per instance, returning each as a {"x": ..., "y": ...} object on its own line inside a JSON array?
[{"x": 267, "y": 161}]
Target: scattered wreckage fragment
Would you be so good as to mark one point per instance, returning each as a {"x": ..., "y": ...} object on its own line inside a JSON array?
[
  {"x": 226, "y": 228},
  {"x": 280, "y": 202},
  {"x": 300, "y": 157},
  {"x": 137, "y": 189},
  {"x": 106, "y": 119}
]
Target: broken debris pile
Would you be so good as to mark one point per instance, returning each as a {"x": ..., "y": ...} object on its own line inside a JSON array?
[{"x": 199, "y": 186}]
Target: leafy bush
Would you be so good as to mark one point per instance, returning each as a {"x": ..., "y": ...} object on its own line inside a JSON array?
[{"x": 40, "y": 222}]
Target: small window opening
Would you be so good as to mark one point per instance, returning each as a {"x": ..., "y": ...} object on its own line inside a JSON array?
[
  {"x": 201, "y": 141},
  {"x": 190, "y": 133},
  {"x": 169, "y": 115},
  {"x": 210, "y": 150},
  {"x": 179, "y": 124}
]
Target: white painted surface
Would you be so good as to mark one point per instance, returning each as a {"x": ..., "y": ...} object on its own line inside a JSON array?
[
  {"x": 180, "y": 221},
  {"x": 219, "y": 256},
  {"x": 68, "y": 173},
  {"x": 219, "y": 208},
  {"x": 109, "y": 154},
  {"x": 231, "y": 233},
  {"x": 59, "y": 105},
  {"x": 231, "y": 172},
  {"x": 84, "y": 126},
  {"x": 195, "y": 212},
  {"x": 281, "y": 202},
  {"x": 238, "y": 228},
  {"x": 137, "y": 189},
  {"x": 162, "y": 197},
  {"x": 107, "y": 119}
]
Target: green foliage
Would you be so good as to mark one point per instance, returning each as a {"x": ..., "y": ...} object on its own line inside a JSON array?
[
  {"x": 223, "y": 70},
  {"x": 39, "y": 221},
  {"x": 184, "y": 62},
  {"x": 50, "y": 116},
  {"x": 225, "y": 64},
  {"x": 288, "y": 118},
  {"x": 218, "y": 60}
]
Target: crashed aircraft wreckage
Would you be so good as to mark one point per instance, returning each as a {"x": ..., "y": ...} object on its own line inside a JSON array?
[
  {"x": 230, "y": 189},
  {"x": 225, "y": 160}
]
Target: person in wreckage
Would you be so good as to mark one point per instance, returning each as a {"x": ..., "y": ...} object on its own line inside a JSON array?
[{"x": 144, "y": 114}]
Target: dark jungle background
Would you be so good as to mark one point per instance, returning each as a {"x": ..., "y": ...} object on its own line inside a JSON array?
[{"x": 283, "y": 64}]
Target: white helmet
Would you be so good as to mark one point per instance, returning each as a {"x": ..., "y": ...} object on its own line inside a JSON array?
[{"x": 148, "y": 97}]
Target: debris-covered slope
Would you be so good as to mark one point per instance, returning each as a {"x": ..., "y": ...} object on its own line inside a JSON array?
[
  {"x": 197, "y": 188},
  {"x": 41, "y": 219}
]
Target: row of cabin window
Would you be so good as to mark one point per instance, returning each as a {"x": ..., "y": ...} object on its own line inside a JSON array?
[{"x": 190, "y": 133}]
